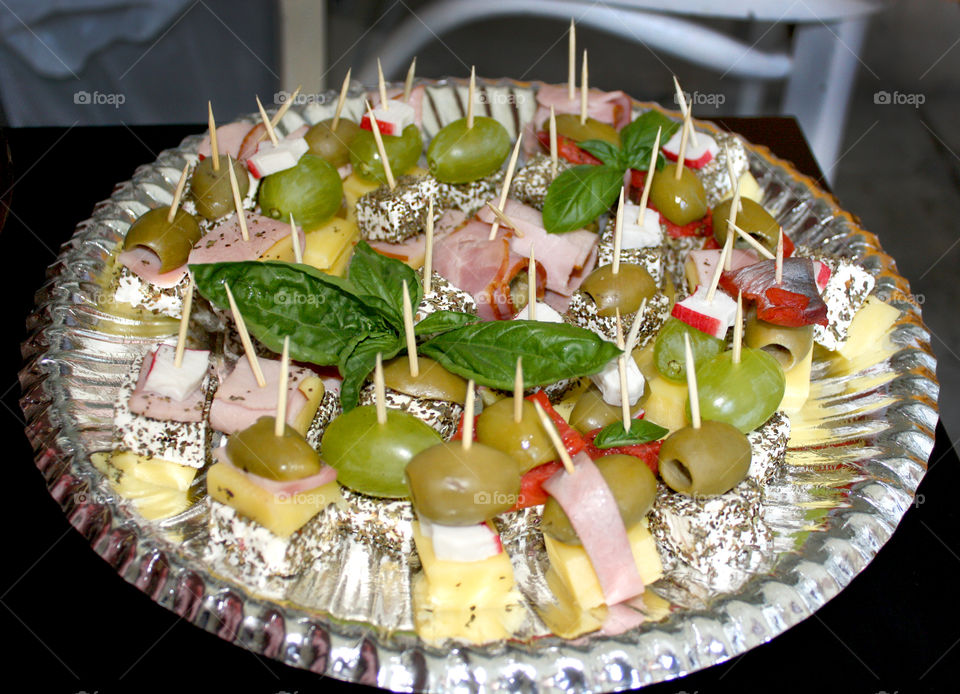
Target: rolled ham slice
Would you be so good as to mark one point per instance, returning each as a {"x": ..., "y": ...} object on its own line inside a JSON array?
[
  {"x": 281, "y": 488},
  {"x": 608, "y": 107},
  {"x": 225, "y": 243},
  {"x": 156, "y": 406},
  {"x": 229, "y": 140},
  {"x": 620, "y": 619},
  {"x": 592, "y": 509},
  {"x": 240, "y": 402},
  {"x": 145, "y": 264}
]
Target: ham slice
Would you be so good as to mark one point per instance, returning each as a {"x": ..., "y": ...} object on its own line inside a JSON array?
[
  {"x": 145, "y": 264},
  {"x": 240, "y": 402},
  {"x": 283, "y": 489},
  {"x": 608, "y": 107},
  {"x": 592, "y": 509},
  {"x": 411, "y": 251},
  {"x": 620, "y": 619},
  {"x": 794, "y": 302},
  {"x": 156, "y": 406},
  {"x": 229, "y": 140},
  {"x": 567, "y": 258},
  {"x": 705, "y": 264},
  {"x": 225, "y": 243}
]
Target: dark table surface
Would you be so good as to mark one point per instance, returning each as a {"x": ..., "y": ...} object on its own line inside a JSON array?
[{"x": 70, "y": 623}]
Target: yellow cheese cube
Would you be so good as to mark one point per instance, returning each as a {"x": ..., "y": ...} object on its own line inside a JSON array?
[
  {"x": 157, "y": 488},
  {"x": 281, "y": 250},
  {"x": 666, "y": 404},
  {"x": 281, "y": 515},
  {"x": 749, "y": 188},
  {"x": 325, "y": 246},
  {"x": 869, "y": 325},
  {"x": 573, "y": 566},
  {"x": 154, "y": 471},
  {"x": 798, "y": 384}
]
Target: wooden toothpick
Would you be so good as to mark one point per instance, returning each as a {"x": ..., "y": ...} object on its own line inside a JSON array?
[
  {"x": 285, "y": 106},
  {"x": 635, "y": 328},
  {"x": 622, "y": 369},
  {"x": 732, "y": 220},
  {"x": 391, "y": 181},
  {"x": 184, "y": 323},
  {"x": 281, "y": 420},
  {"x": 518, "y": 392},
  {"x": 734, "y": 181},
  {"x": 383, "y": 87},
  {"x": 618, "y": 234},
  {"x": 583, "y": 90},
  {"x": 468, "y": 416},
  {"x": 554, "y": 148},
  {"x": 470, "y": 92},
  {"x": 555, "y": 439},
  {"x": 380, "y": 391},
  {"x": 214, "y": 147},
  {"x": 267, "y": 124},
  {"x": 648, "y": 181},
  {"x": 295, "y": 238},
  {"x": 341, "y": 100},
  {"x": 428, "y": 255},
  {"x": 759, "y": 247},
  {"x": 738, "y": 329},
  {"x": 692, "y": 383},
  {"x": 721, "y": 261},
  {"x": 727, "y": 252},
  {"x": 685, "y": 133},
  {"x": 779, "y": 258},
  {"x": 245, "y": 338},
  {"x": 177, "y": 194},
  {"x": 684, "y": 108},
  {"x": 532, "y": 286},
  {"x": 503, "y": 218},
  {"x": 409, "y": 334},
  {"x": 237, "y": 202},
  {"x": 408, "y": 83},
  {"x": 572, "y": 61},
  {"x": 507, "y": 180}
]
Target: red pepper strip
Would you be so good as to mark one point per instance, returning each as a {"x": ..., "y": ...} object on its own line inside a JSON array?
[
  {"x": 637, "y": 180},
  {"x": 568, "y": 149},
  {"x": 458, "y": 436},
  {"x": 711, "y": 244},
  {"x": 572, "y": 439},
  {"x": 649, "y": 453},
  {"x": 531, "y": 485},
  {"x": 787, "y": 246},
  {"x": 698, "y": 227}
]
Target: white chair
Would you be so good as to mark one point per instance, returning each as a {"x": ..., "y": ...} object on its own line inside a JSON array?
[{"x": 819, "y": 68}]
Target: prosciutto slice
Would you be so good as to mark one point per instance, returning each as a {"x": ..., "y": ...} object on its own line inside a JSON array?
[
  {"x": 483, "y": 268},
  {"x": 240, "y": 402},
  {"x": 592, "y": 509},
  {"x": 705, "y": 262},
  {"x": 145, "y": 264},
  {"x": 229, "y": 140},
  {"x": 225, "y": 243},
  {"x": 156, "y": 406},
  {"x": 794, "y": 302},
  {"x": 608, "y": 107},
  {"x": 281, "y": 488},
  {"x": 567, "y": 258}
]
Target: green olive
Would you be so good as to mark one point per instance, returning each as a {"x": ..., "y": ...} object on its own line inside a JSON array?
[
  {"x": 332, "y": 145},
  {"x": 592, "y": 412},
  {"x": 171, "y": 241},
  {"x": 682, "y": 201},
  {"x": 211, "y": 189},
  {"x": 458, "y": 154},
  {"x": 453, "y": 486},
  {"x": 707, "y": 461},
  {"x": 752, "y": 218},
  {"x": 433, "y": 382},
  {"x": 403, "y": 151},
  {"x": 519, "y": 291},
  {"x": 311, "y": 190},
  {"x": 569, "y": 126},
  {"x": 632, "y": 484},
  {"x": 525, "y": 441},
  {"x": 625, "y": 290},
  {"x": 787, "y": 345},
  {"x": 258, "y": 450}
]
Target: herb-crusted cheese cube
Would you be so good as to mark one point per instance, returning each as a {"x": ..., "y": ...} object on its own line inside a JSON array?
[{"x": 399, "y": 214}]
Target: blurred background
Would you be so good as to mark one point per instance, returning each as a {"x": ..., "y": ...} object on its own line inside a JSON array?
[{"x": 873, "y": 83}]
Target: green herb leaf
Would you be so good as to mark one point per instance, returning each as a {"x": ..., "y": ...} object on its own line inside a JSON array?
[
  {"x": 377, "y": 276},
  {"x": 324, "y": 320},
  {"x": 442, "y": 321},
  {"x": 580, "y": 195},
  {"x": 637, "y": 138},
  {"x": 361, "y": 361},
  {"x": 605, "y": 151},
  {"x": 641, "y": 431},
  {"x": 487, "y": 352}
]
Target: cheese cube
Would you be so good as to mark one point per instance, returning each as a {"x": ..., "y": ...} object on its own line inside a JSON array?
[
  {"x": 666, "y": 404},
  {"x": 608, "y": 381},
  {"x": 465, "y": 544},
  {"x": 646, "y": 235},
  {"x": 868, "y": 326},
  {"x": 324, "y": 246},
  {"x": 273, "y": 158},
  {"x": 545, "y": 314},
  {"x": 798, "y": 384},
  {"x": 165, "y": 378}
]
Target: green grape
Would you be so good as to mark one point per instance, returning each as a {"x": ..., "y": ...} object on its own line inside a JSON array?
[
  {"x": 403, "y": 151},
  {"x": 311, "y": 190},
  {"x": 460, "y": 155},
  {"x": 668, "y": 350},
  {"x": 743, "y": 395},
  {"x": 371, "y": 457}
]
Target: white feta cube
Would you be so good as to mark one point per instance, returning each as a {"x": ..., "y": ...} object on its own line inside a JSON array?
[
  {"x": 392, "y": 120},
  {"x": 544, "y": 313},
  {"x": 462, "y": 543},
  {"x": 273, "y": 158},
  {"x": 646, "y": 235},
  {"x": 608, "y": 381},
  {"x": 165, "y": 378}
]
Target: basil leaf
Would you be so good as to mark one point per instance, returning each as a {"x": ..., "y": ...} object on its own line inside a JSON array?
[
  {"x": 580, "y": 195},
  {"x": 375, "y": 275},
  {"x": 487, "y": 352},
  {"x": 361, "y": 361},
  {"x": 442, "y": 321},
  {"x": 642, "y": 161},
  {"x": 637, "y": 138},
  {"x": 641, "y": 431},
  {"x": 324, "y": 320},
  {"x": 604, "y": 151}
]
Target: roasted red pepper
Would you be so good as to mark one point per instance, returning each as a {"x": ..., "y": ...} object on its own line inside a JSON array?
[
  {"x": 573, "y": 441},
  {"x": 568, "y": 149},
  {"x": 531, "y": 484},
  {"x": 649, "y": 453}
]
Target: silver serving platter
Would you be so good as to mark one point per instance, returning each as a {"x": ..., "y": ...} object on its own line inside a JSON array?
[{"x": 832, "y": 507}]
